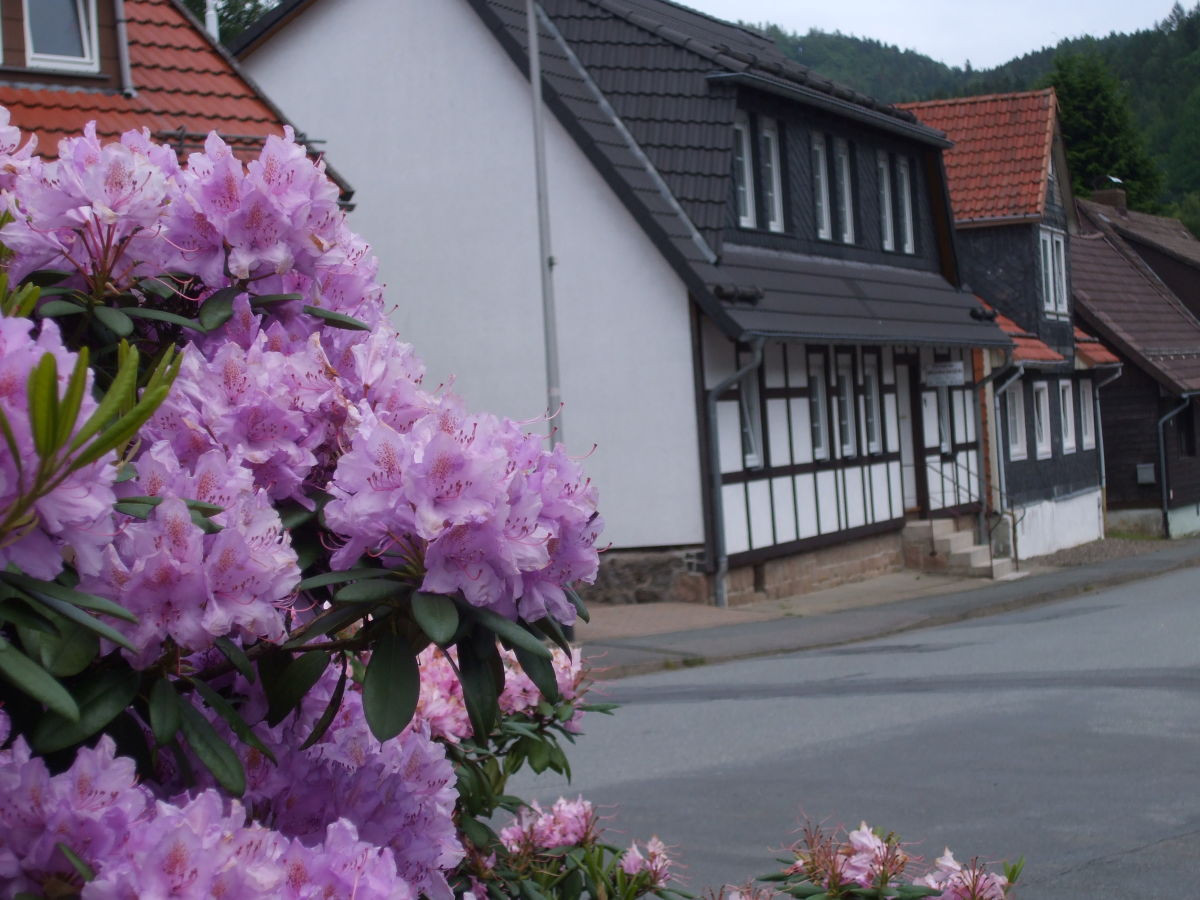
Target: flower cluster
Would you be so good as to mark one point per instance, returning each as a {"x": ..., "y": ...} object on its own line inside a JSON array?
[
  {"x": 138, "y": 846},
  {"x": 442, "y": 708},
  {"x": 654, "y": 864},
  {"x": 972, "y": 882},
  {"x": 44, "y": 515},
  {"x": 566, "y": 823}
]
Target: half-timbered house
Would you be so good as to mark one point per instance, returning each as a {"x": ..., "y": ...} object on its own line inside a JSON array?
[{"x": 759, "y": 317}]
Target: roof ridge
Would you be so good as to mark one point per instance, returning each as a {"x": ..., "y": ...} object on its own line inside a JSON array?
[{"x": 973, "y": 98}]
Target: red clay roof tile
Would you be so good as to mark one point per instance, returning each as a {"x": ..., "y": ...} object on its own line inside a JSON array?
[
  {"x": 182, "y": 82},
  {"x": 1000, "y": 160},
  {"x": 1091, "y": 352},
  {"x": 1027, "y": 347}
]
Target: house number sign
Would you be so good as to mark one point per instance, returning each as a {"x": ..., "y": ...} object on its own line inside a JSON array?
[{"x": 943, "y": 374}]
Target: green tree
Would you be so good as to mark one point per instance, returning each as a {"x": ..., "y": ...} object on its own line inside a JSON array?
[
  {"x": 1098, "y": 129},
  {"x": 233, "y": 16}
]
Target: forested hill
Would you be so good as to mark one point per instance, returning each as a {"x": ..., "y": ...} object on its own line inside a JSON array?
[{"x": 1159, "y": 68}]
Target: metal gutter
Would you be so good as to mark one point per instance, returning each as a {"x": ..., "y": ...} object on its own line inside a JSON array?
[
  {"x": 722, "y": 557},
  {"x": 1184, "y": 399},
  {"x": 127, "y": 88},
  {"x": 829, "y": 103},
  {"x": 1018, "y": 373},
  {"x": 1100, "y": 430}
]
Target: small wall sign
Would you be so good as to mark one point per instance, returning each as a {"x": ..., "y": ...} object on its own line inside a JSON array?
[{"x": 943, "y": 374}]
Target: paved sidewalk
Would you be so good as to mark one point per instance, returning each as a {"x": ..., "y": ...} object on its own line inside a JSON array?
[{"x": 634, "y": 639}]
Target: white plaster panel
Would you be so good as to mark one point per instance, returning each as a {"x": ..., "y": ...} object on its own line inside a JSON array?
[
  {"x": 889, "y": 366},
  {"x": 729, "y": 436},
  {"x": 929, "y": 419},
  {"x": 881, "y": 494},
  {"x": 891, "y": 426},
  {"x": 856, "y": 500},
  {"x": 773, "y": 370},
  {"x": 761, "y": 520},
  {"x": 801, "y": 430},
  {"x": 830, "y": 499},
  {"x": 959, "y": 411},
  {"x": 779, "y": 432},
  {"x": 806, "y": 506},
  {"x": 797, "y": 360},
  {"x": 737, "y": 530},
  {"x": 783, "y": 496},
  {"x": 897, "y": 489},
  {"x": 450, "y": 210},
  {"x": 1184, "y": 520},
  {"x": 1052, "y": 525},
  {"x": 934, "y": 481}
]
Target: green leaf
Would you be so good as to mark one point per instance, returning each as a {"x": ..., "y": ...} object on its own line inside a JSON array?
[
  {"x": 166, "y": 712},
  {"x": 550, "y": 629},
  {"x": 580, "y": 607},
  {"x": 293, "y": 515},
  {"x": 538, "y": 753},
  {"x": 511, "y": 632},
  {"x": 232, "y": 717},
  {"x": 216, "y": 755},
  {"x": 122, "y": 387},
  {"x": 333, "y": 620},
  {"x": 79, "y": 616},
  {"x": 481, "y": 693},
  {"x": 371, "y": 591},
  {"x": 114, "y": 320},
  {"x": 42, "y": 391},
  {"x": 477, "y": 833},
  {"x": 436, "y": 614},
  {"x": 285, "y": 693},
  {"x": 328, "y": 578},
  {"x": 70, "y": 595},
  {"x": 161, "y": 315},
  {"x": 68, "y": 409},
  {"x": 53, "y": 309},
  {"x": 336, "y": 319},
  {"x": 134, "y": 509},
  {"x": 391, "y": 686},
  {"x": 65, "y": 653},
  {"x": 237, "y": 656},
  {"x": 268, "y": 299},
  {"x": 36, "y": 681},
  {"x": 217, "y": 309},
  {"x": 124, "y": 428},
  {"x": 20, "y": 615},
  {"x": 331, "y": 710},
  {"x": 46, "y": 277},
  {"x": 100, "y": 700},
  {"x": 541, "y": 672},
  {"x": 86, "y": 872}
]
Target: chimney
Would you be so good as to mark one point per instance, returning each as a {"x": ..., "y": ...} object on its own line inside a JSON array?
[
  {"x": 210, "y": 20},
  {"x": 1114, "y": 197}
]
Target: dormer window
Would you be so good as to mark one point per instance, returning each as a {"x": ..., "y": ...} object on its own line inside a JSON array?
[
  {"x": 821, "y": 189},
  {"x": 908, "y": 241},
  {"x": 61, "y": 34},
  {"x": 887, "y": 225},
  {"x": 1054, "y": 272},
  {"x": 845, "y": 190},
  {"x": 758, "y": 178}
]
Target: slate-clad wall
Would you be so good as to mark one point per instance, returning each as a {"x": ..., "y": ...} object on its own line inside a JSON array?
[{"x": 1062, "y": 474}]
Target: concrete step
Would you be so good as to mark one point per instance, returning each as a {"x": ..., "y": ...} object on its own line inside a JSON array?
[
  {"x": 927, "y": 529},
  {"x": 974, "y": 558},
  {"x": 956, "y": 542},
  {"x": 1002, "y": 567}
]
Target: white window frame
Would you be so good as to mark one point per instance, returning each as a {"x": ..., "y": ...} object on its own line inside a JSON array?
[
  {"x": 887, "y": 223},
  {"x": 1054, "y": 271},
  {"x": 872, "y": 424},
  {"x": 847, "y": 421},
  {"x": 845, "y": 189},
  {"x": 1066, "y": 408},
  {"x": 1087, "y": 415},
  {"x": 1041, "y": 420},
  {"x": 88, "y": 39},
  {"x": 908, "y": 241},
  {"x": 818, "y": 406},
  {"x": 750, "y": 410},
  {"x": 821, "y": 189},
  {"x": 1018, "y": 444},
  {"x": 743, "y": 171},
  {"x": 772, "y": 174}
]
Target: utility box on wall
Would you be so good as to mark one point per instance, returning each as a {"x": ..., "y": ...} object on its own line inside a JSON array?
[{"x": 1145, "y": 473}]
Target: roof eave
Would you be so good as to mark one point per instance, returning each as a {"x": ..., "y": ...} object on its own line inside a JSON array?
[
  {"x": 988, "y": 221},
  {"x": 829, "y": 103},
  {"x": 266, "y": 26}
]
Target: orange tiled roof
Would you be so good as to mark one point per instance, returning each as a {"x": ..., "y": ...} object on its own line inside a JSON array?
[
  {"x": 1027, "y": 347},
  {"x": 1091, "y": 352},
  {"x": 1000, "y": 160},
  {"x": 181, "y": 80}
]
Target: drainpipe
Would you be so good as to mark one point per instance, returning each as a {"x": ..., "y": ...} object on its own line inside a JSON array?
[
  {"x": 1184, "y": 399},
  {"x": 127, "y": 88},
  {"x": 1016, "y": 375},
  {"x": 718, "y": 508},
  {"x": 546, "y": 258},
  {"x": 980, "y": 388},
  {"x": 1100, "y": 438}
]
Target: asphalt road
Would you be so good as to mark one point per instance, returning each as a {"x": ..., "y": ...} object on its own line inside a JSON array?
[{"x": 1067, "y": 733}]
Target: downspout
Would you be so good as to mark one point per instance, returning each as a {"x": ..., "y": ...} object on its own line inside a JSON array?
[
  {"x": 718, "y": 508},
  {"x": 1184, "y": 399},
  {"x": 127, "y": 88},
  {"x": 545, "y": 255},
  {"x": 1017, "y": 374},
  {"x": 980, "y": 387},
  {"x": 1100, "y": 438}
]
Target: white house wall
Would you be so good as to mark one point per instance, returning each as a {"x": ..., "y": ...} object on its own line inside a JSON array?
[
  {"x": 1052, "y": 525},
  {"x": 430, "y": 122}
]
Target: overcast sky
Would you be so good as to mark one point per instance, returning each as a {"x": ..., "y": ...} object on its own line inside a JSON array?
[{"x": 986, "y": 32}]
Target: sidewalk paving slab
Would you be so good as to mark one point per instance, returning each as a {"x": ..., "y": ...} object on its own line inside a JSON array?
[{"x": 635, "y": 639}]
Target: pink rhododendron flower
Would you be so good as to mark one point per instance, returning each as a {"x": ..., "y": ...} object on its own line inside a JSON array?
[
  {"x": 567, "y": 822},
  {"x": 655, "y": 862}
]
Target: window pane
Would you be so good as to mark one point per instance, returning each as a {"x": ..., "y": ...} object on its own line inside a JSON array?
[
  {"x": 742, "y": 174},
  {"x": 904, "y": 188},
  {"x": 1047, "y": 284},
  {"x": 816, "y": 407},
  {"x": 772, "y": 175},
  {"x": 885, "y": 202},
  {"x": 56, "y": 27},
  {"x": 821, "y": 189},
  {"x": 1060, "y": 275},
  {"x": 845, "y": 188}
]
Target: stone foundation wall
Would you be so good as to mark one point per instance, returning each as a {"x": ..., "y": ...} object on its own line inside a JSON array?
[{"x": 647, "y": 576}]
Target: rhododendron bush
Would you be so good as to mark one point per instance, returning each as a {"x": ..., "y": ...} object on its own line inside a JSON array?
[{"x": 276, "y": 617}]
